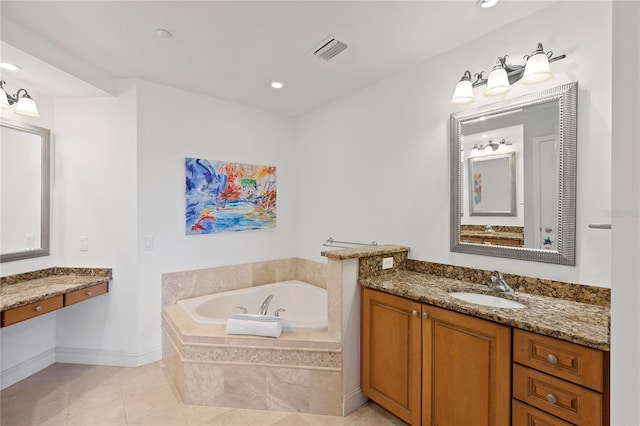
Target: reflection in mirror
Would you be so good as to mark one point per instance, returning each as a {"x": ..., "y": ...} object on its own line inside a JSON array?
[
  {"x": 528, "y": 204},
  {"x": 492, "y": 185},
  {"x": 24, "y": 180}
]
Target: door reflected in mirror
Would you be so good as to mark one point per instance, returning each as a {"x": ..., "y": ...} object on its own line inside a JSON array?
[{"x": 513, "y": 177}]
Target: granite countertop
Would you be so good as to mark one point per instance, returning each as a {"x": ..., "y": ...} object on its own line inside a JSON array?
[
  {"x": 20, "y": 290},
  {"x": 341, "y": 253},
  {"x": 580, "y": 323},
  {"x": 496, "y": 234}
]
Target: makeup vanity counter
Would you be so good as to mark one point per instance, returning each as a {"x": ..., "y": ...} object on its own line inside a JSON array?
[
  {"x": 581, "y": 323},
  {"x": 31, "y": 294}
]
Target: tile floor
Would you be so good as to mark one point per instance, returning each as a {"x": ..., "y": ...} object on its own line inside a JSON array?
[{"x": 88, "y": 395}]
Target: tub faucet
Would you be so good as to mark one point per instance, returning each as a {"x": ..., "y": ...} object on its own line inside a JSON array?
[
  {"x": 265, "y": 305},
  {"x": 497, "y": 282}
]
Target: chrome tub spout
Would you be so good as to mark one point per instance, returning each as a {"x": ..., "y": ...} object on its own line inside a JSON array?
[{"x": 265, "y": 305}]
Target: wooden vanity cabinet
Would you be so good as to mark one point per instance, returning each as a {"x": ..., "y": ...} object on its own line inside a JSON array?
[
  {"x": 466, "y": 370},
  {"x": 390, "y": 353},
  {"x": 566, "y": 382},
  {"x": 432, "y": 366}
]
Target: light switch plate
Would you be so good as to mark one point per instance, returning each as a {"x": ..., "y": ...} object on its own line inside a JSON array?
[
  {"x": 84, "y": 244},
  {"x": 387, "y": 262}
]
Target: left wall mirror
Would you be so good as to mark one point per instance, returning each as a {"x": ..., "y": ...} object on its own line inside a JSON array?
[{"x": 24, "y": 190}]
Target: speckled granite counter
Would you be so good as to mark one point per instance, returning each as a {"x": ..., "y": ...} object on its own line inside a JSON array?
[
  {"x": 580, "y": 323},
  {"x": 22, "y": 289}
]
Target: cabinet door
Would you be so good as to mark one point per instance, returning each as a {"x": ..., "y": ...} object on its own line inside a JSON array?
[
  {"x": 466, "y": 370},
  {"x": 390, "y": 353}
]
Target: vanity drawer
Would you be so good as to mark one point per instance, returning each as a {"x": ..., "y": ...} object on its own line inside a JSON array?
[
  {"x": 568, "y": 401},
  {"x": 526, "y": 415},
  {"x": 31, "y": 310},
  {"x": 578, "y": 364},
  {"x": 85, "y": 293}
]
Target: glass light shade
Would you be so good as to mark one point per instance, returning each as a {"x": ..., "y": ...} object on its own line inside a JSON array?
[
  {"x": 4, "y": 102},
  {"x": 487, "y": 150},
  {"x": 498, "y": 82},
  {"x": 537, "y": 69},
  {"x": 475, "y": 151},
  {"x": 27, "y": 107},
  {"x": 463, "y": 93},
  {"x": 502, "y": 147}
]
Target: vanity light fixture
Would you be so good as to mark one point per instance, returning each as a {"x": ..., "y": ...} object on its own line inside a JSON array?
[
  {"x": 504, "y": 74},
  {"x": 490, "y": 146},
  {"x": 25, "y": 105}
]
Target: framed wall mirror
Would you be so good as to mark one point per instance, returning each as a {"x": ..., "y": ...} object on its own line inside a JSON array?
[
  {"x": 513, "y": 177},
  {"x": 24, "y": 180}
]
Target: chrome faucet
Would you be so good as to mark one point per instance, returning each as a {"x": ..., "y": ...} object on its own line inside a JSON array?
[
  {"x": 497, "y": 282},
  {"x": 265, "y": 305}
]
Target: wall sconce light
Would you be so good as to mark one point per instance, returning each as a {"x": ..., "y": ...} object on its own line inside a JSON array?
[
  {"x": 25, "y": 105},
  {"x": 503, "y": 75}
]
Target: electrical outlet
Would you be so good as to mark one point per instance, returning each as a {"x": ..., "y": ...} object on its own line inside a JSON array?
[{"x": 387, "y": 262}]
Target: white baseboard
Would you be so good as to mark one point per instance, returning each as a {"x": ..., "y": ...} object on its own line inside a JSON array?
[
  {"x": 106, "y": 357},
  {"x": 27, "y": 368},
  {"x": 352, "y": 401}
]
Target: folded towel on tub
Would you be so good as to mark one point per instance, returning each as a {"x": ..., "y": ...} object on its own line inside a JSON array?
[{"x": 257, "y": 325}]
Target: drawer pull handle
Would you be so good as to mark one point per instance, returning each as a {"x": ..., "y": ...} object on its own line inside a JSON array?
[
  {"x": 89, "y": 293},
  {"x": 414, "y": 313},
  {"x": 551, "y": 398},
  {"x": 425, "y": 315},
  {"x": 38, "y": 308},
  {"x": 552, "y": 358}
]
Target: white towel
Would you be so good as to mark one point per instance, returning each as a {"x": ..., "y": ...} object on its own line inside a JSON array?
[{"x": 257, "y": 325}]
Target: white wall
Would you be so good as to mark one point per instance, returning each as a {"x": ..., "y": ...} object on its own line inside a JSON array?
[
  {"x": 172, "y": 125},
  {"x": 375, "y": 165},
  {"x": 96, "y": 193},
  {"x": 625, "y": 288}
]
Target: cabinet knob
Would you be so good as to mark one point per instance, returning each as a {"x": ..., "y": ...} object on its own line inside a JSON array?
[
  {"x": 425, "y": 315},
  {"x": 38, "y": 308},
  {"x": 414, "y": 313},
  {"x": 552, "y": 358},
  {"x": 551, "y": 398},
  {"x": 89, "y": 293}
]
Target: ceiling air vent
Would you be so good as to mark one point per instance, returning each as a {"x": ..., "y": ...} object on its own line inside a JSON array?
[{"x": 329, "y": 48}]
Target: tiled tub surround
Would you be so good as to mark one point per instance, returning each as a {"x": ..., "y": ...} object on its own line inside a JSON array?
[
  {"x": 581, "y": 323},
  {"x": 22, "y": 289},
  {"x": 301, "y": 371}
]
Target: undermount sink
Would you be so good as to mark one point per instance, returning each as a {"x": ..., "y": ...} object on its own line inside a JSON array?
[{"x": 487, "y": 300}]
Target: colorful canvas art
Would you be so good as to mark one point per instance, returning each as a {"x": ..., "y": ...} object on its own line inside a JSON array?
[
  {"x": 229, "y": 197},
  {"x": 477, "y": 188}
]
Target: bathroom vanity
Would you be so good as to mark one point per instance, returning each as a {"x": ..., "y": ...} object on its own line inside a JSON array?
[
  {"x": 432, "y": 359},
  {"x": 28, "y": 295}
]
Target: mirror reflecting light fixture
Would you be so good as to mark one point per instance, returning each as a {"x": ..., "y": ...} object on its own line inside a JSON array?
[
  {"x": 25, "y": 105},
  {"x": 503, "y": 75}
]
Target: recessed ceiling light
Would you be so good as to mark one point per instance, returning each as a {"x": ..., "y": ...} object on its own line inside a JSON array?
[
  {"x": 487, "y": 3},
  {"x": 277, "y": 85},
  {"x": 8, "y": 66},
  {"x": 162, "y": 33}
]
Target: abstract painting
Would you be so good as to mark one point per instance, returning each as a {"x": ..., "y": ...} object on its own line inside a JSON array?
[
  {"x": 477, "y": 188},
  {"x": 229, "y": 197}
]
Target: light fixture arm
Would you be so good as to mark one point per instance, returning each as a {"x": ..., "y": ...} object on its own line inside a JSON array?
[
  {"x": 515, "y": 72},
  {"x": 14, "y": 98}
]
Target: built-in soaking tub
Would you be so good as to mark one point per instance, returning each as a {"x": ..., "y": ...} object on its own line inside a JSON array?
[{"x": 305, "y": 305}]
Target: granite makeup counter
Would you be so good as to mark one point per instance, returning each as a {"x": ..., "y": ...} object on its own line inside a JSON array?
[
  {"x": 581, "y": 323},
  {"x": 32, "y": 294}
]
